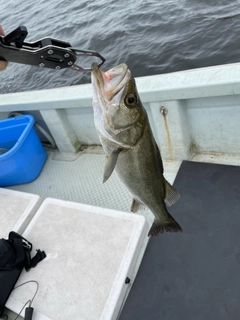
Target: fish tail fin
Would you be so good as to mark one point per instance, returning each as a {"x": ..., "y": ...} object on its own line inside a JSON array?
[{"x": 168, "y": 225}]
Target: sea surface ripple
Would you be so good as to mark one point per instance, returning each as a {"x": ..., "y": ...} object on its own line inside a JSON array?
[{"x": 151, "y": 36}]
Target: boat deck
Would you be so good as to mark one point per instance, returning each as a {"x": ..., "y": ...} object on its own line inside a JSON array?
[
  {"x": 80, "y": 180},
  {"x": 194, "y": 275}
]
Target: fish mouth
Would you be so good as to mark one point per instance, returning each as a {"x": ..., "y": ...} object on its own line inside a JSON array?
[{"x": 111, "y": 82}]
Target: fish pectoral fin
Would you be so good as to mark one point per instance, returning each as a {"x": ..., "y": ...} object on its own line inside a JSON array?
[
  {"x": 171, "y": 194},
  {"x": 136, "y": 205},
  {"x": 110, "y": 163}
]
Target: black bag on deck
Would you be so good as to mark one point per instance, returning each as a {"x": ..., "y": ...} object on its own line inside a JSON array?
[{"x": 14, "y": 256}]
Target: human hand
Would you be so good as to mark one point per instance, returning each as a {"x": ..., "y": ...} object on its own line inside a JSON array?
[{"x": 3, "y": 64}]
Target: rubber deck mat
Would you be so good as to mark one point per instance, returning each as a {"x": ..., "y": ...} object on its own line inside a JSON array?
[{"x": 194, "y": 275}]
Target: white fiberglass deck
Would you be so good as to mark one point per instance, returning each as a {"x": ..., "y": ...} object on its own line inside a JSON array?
[
  {"x": 17, "y": 210},
  {"x": 80, "y": 181},
  {"x": 90, "y": 253}
]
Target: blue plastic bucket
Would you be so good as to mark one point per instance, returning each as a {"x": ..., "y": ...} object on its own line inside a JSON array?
[{"x": 22, "y": 155}]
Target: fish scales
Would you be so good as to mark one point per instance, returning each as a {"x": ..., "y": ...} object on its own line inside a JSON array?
[{"x": 129, "y": 145}]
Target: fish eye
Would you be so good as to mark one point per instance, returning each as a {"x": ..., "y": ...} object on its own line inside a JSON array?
[{"x": 130, "y": 100}]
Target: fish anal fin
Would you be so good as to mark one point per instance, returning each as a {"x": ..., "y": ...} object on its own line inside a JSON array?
[
  {"x": 170, "y": 225},
  {"x": 171, "y": 194},
  {"x": 136, "y": 205},
  {"x": 110, "y": 163}
]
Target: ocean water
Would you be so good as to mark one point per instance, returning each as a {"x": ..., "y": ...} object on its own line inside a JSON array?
[{"x": 151, "y": 36}]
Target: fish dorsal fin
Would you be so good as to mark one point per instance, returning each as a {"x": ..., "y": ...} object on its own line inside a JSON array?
[
  {"x": 171, "y": 194},
  {"x": 110, "y": 163},
  {"x": 136, "y": 205}
]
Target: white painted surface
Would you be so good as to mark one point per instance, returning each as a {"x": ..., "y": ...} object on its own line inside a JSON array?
[
  {"x": 171, "y": 169},
  {"x": 60, "y": 128},
  {"x": 220, "y": 158},
  {"x": 203, "y": 111},
  {"x": 215, "y": 128},
  {"x": 90, "y": 252},
  {"x": 80, "y": 181},
  {"x": 16, "y": 210},
  {"x": 204, "y": 82},
  {"x": 172, "y": 131}
]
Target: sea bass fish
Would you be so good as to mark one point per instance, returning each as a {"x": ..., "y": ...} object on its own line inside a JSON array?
[{"x": 129, "y": 146}]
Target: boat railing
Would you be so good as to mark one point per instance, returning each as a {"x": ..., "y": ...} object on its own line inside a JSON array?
[{"x": 193, "y": 111}]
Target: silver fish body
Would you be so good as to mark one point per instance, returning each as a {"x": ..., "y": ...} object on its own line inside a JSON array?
[{"x": 130, "y": 148}]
